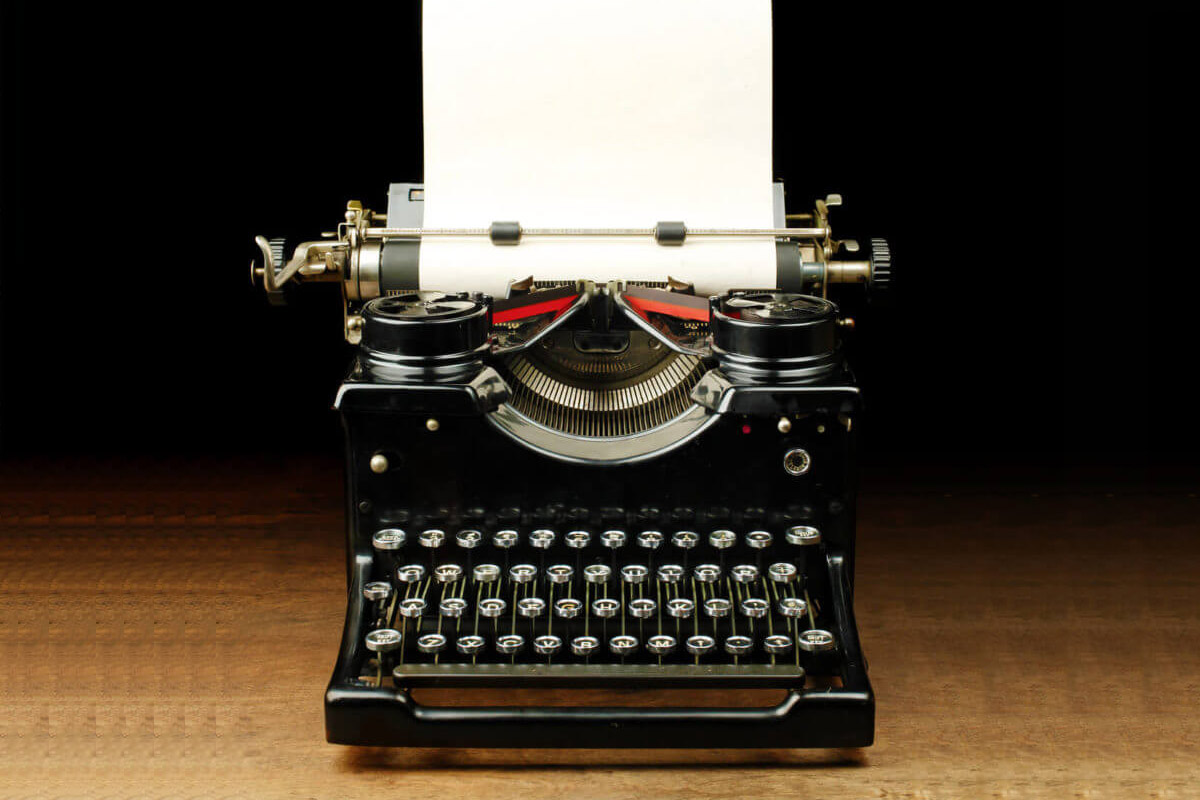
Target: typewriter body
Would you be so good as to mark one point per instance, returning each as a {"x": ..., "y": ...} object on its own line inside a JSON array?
[{"x": 589, "y": 485}]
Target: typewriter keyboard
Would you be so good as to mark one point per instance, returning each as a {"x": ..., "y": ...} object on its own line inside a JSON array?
[{"x": 605, "y": 597}]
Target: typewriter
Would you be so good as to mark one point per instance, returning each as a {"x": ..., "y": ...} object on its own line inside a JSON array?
[{"x": 586, "y": 485}]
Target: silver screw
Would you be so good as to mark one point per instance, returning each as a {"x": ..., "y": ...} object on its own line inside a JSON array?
[{"x": 379, "y": 463}]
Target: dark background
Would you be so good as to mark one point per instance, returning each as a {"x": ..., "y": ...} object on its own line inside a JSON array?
[{"x": 144, "y": 148}]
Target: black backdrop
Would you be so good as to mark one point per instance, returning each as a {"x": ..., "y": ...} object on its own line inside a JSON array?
[{"x": 143, "y": 149}]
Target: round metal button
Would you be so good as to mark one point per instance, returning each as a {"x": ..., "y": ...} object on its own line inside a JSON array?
[
  {"x": 699, "y": 645},
  {"x": 505, "y": 540},
  {"x": 651, "y": 540},
  {"x": 782, "y": 572},
  {"x": 412, "y": 607},
  {"x": 755, "y": 608},
  {"x": 452, "y": 607},
  {"x": 432, "y": 538},
  {"x": 815, "y": 641},
  {"x": 547, "y": 645},
  {"x": 560, "y": 573},
  {"x": 605, "y": 608},
  {"x": 486, "y": 573},
  {"x": 389, "y": 539},
  {"x": 661, "y": 645},
  {"x": 492, "y": 606},
  {"x": 744, "y": 573},
  {"x": 377, "y": 590},
  {"x": 722, "y": 539},
  {"x": 634, "y": 573},
  {"x": 577, "y": 540},
  {"x": 597, "y": 573},
  {"x": 531, "y": 607},
  {"x": 410, "y": 573},
  {"x": 777, "y": 643},
  {"x": 522, "y": 573},
  {"x": 567, "y": 607},
  {"x": 623, "y": 645},
  {"x": 613, "y": 539},
  {"x": 510, "y": 643},
  {"x": 541, "y": 539},
  {"x": 470, "y": 645},
  {"x": 739, "y": 645},
  {"x": 685, "y": 540},
  {"x": 383, "y": 640},
  {"x": 803, "y": 535},
  {"x": 642, "y": 608},
  {"x": 670, "y": 573},
  {"x": 584, "y": 645},
  {"x": 793, "y": 606},
  {"x": 717, "y": 607},
  {"x": 447, "y": 573},
  {"x": 707, "y": 573},
  {"x": 758, "y": 539},
  {"x": 469, "y": 540},
  {"x": 431, "y": 643},
  {"x": 681, "y": 607}
]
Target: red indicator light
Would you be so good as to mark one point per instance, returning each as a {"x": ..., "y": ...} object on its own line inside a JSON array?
[{"x": 745, "y": 429}]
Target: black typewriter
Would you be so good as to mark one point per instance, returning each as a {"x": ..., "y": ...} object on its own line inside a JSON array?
[{"x": 595, "y": 486}]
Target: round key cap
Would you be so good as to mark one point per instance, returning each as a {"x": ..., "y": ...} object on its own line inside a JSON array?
[
  {"x": 685, "y": 540},
  {"x": 505, "y": 540},
  {"x": 492, "y": 607},
  {"x": 755, "y": 608},
  {"x": 699, "y": 645},
  {"x": 777, "y": 644},
  {"x": 597, "y": 573},
  {"x": 412, "y": 607},
  {"x": 431, "y": 643},
  {"x": 383, "y": 640},
  {"x": 717, "y": 607},
  {"x": 486, "y": 573},
  {"x": 584, "y": 646},
  {"x": 722, "y": 539},
  {"x": 661, "y": 645},
  {"x": 577, "y": 540},
  {"x": 758, "y": 540},
  {"x": 803, "y": 535},
  {"x": 650, "y": 540},
  {"x": 623, "y": 645},
  {"x": 681, "y": 608},
  {"x": 510, "y": 643},
  {"x": 469, "y": 540},
  {"x": 605, "y": 608},
  {"x": 410, "y": 573},
  {"x": 613, "y": 539},
  {"x": 560, "y": 573},
  {"x": 377, "y": 591},
  {"x": 744, "y": 573},
  {"x": 634, "y": 573},
  {"x": 739, "y": 645},
  {"x": 447, "y": 573},
  {"x": 389, "y": 539},
  {"x": 547, "y": 645},
  {"x": 782, "y": 572},
  {"x": 522, "y": 573},
  {"x": 793, "y": 606},
  {"x": 670, "y": 573},
  {"x": 541, "y": 539},
  {"x": 815, "y": 641},
  {"x": 531, "y": 607},
  {"x": 567, "y": 607},
  {"x": 707, "y": 573},
  {"x": 432, "y": 538},
  {"x": 452, "y": 607},
  {"x": 470, "y": 645},
  {"x": 642, "y": 608}
]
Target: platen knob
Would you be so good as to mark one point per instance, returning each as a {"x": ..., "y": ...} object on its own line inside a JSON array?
[{"x": 881, "y": 269}]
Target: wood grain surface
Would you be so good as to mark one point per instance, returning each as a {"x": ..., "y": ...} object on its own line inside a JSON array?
[{"x": 167, "y": 630}]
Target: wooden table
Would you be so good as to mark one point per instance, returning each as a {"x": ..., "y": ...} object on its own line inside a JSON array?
[{"x": 167, "y": 630}]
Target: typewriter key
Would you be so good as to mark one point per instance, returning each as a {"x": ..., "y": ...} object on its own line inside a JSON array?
[
  {"x": 410, "y": 573},
  {"x": 744, "y": 573},
  {"x": 777, "y": 644},
  {"x": 597, "y": 573},
  {"x": 448, "y": 573},
  {"x": 782, "y": 572},
  {"x": 680, "y": 607},
  {"x": 547, "y": 645},
  {"x": 412, "y": 607},
  {"x": 577, "y": 540},
  {"x": 560, "y": 573},
  {"x": 792, "y": 606},
  {"x": 383, "y": 640},
  {"x": 685, "y": 540},
  {"x": 722, "y": 539},
  {"x": 389, "y": 539},
  {"x": 755, "y": 608},
  {"x": 699, "y": 645},
  {"x": 531, "y": 607},
  {"x": 613, "y": 539},
  {"x": 803, "y": 535},
  {"x": 377, "y": 591},
  {"x": 717, "y": 607},
  {"x": 492, "y": 607},
  {"x": 470, "y": 645},
  {"x": 707, "y": 573},
  {"x": 510, "y": 643},
  {"x": 487, "y": 573},
  {"x": 605, "y": 608},
  {"x": 469, "y": 540},
  {"x": 642, "y": 608},
  {"x": 670, "y": 573},
  {"x": 584, "y": 646},
  {"x": 758, "y": 540},
  {"x": 815, "y": 641},
  {"x": 739, "y": 645},
  {"x": 432, "y": 538},
  {"x": 634, "y": 573},
  {"x": 522, "y": 573},
  {"x": 452, "y": 607},
  {"x": 431, "y": 643},
  {"x": 650, "y": 540},
  {"x": 623, "y": 645},
  {"x": 505, "y": 540},
  {"x": 567, "y": 607},
  {"x": 661, "y": 645},
  {"x": 541, "y": 539}
]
